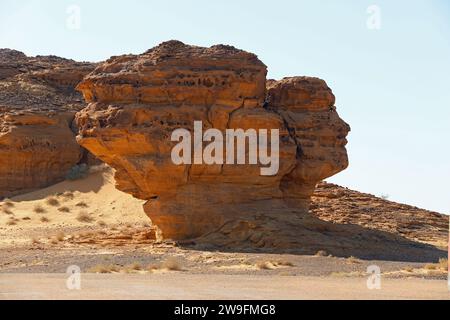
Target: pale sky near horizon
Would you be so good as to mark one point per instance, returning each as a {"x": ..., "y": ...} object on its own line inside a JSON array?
[{"x": 392, "y": 85}]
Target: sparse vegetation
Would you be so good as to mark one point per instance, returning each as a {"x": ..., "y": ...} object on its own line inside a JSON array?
[
  {"x": 8, "y": 203},
  {"x": 353, "y": 259},
  {"x": 64, "y": 209},
  {"x": 60, "y": 236},
  {"x": 104, "y": 269},
  {"x": 51, "y": 201},
  {"x": 85, "y": 217},
  {"x": 26, "y": 218},
  {"x": 45, "y": 220},
  {"x": 68, "y": 195},
  {"x": 11, "y": 222},
  {"x": 39, "y": 209},
  {"x": 102, "y": 223},
  {"x": 172, "y": 264},
  {"x": 82, "y": 205},
  {"x": 441, "y": 265},
  {"x": 134, "y": 267},
  {"x": 7, "y": 211},
  {"x": 321, "y": 253}
]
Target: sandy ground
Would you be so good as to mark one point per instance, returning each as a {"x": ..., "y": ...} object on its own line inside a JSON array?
[
  {"x": 89, "y": 224},
  {"x": 222, "y": 287}
]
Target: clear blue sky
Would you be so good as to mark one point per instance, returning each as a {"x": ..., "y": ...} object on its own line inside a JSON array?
[{"x": 392, "y": 85}]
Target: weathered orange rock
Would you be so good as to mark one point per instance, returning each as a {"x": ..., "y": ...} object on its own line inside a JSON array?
[
  {"x": 37, "y": 105},
  {"x": 136, "y": 102}
]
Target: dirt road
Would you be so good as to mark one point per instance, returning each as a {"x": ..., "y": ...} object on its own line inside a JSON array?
[{"x": 176, "y": 286}]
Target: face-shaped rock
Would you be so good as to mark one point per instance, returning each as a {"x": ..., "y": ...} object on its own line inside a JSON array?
[{"x": 137, "y": 102}]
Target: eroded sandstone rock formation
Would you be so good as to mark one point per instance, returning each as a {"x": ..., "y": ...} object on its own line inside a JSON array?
[
  {"x": 37, "y": 105},
  {"x": 136, "y": 102}
]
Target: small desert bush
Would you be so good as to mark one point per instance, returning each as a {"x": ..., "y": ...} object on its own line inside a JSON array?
[
  {"x": 321, "y": 253},
  {"x": 78, "y": 172},
  {"x": 134, "y": 267},
  {"x": 102, "y": 223},
  {"x": 45, "y": 220},
  {"x": 104, "y": 269},
  {"x": 51, "y": 201},
  {"x": 11, "y": 222},
  {"x": 64, "y": 209},
  {"x": 441, "y": 265},
  {"x": 7, "y": 211},
  {"x": 264, "y": 265},
  {"x": 26, "y": 218},
  {"x": 68, "y": 195},
  {"x": 172, "y": 264},
  {"x": 83, "y": 216},
  {"x": 8, "y": 203},
  {"x": 39, "y": 209},
  {"x": 353, "y": 259},
  {"x": 60, "y": 236},
  {"x": 82, "y": 205}
]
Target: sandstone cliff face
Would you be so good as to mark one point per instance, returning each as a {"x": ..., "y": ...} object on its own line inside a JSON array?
[
  {"x": 136, "y": 102},
  {"x": 37, "y": 105}
]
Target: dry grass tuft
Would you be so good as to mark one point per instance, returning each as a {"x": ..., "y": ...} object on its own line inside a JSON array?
[
  {"x": 353, "y": 260},
  {"x": 64, "y": 209},
  {"x": 52, "y": 201},
  {"x": 39, "y": 209},
  {"x": 8, "y": 203},
  {"x": 82, "y": 205},
  {"x": 102, "y": 224},
  {"x": 85, "y": 217},
  {"x": 104, "y": 269},
  {"x": 60, "y": 236},
  {"x": 172, "y": 264},
  {"x": 68, "y": 195},
  {"x": 11, "y": 222},
  {"x": 26, "y": 218},
  {"x": 7, "y": 211},
  {"x": 45, "y": 220},
  {"x": 321, "y": 253},
  {"x": 134, "y": 267}
]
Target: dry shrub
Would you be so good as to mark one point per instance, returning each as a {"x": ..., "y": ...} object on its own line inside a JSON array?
[
  {"x": 85, "y": 217},
  {"x": 26, "y": 218},
  {"x": 51, "y": 201},
  {"x": 7, "y": 211},
  {"x": 60, "y": 236},
  {"x": 39, "y": 209},
  {"x": 45, "y": 219},
  {"x": 82, "y": 204},
  {"x": 134, "y": 267},
  {"x": 11, "y": 222},
  {"x": 172, "y": 264},
  {"x": 102, "y": 223},
  {"x": 68, "y": 195},
  {"x": 353, "y": 259},
  {"x": 8, "y": 203},
  {"x": 321, "y": 253},
  {"x": 64, "y": 209},
  {"x": 104, "y": 269}
]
